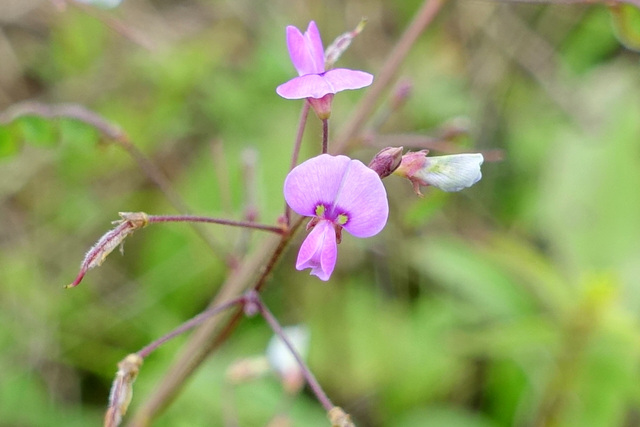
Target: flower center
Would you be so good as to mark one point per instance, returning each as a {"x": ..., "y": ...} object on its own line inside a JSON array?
[{"x": 336, "y": 215}]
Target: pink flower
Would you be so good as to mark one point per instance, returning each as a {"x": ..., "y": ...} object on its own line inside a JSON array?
[
  {"x": 313, "y": 82},
  {"x": 338, "y": 193}
]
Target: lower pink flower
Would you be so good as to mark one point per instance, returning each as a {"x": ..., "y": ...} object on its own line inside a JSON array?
[{"x": 337, "y": 192}]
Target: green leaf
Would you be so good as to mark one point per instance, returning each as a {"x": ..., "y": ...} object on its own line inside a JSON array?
[
  {"x": 9, "y": 142},
  {"x": 626, "y": 25},
  {"x": 38, "y": 131}
]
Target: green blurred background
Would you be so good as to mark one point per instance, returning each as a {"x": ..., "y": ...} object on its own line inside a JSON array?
[{"x": 513, "y": 303}]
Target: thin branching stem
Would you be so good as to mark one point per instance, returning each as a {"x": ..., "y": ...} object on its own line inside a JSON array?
[
  {"x": 206, "y": 219},
  {"x": 190, "y": 324},
  {"x": 314, "y": 385}
]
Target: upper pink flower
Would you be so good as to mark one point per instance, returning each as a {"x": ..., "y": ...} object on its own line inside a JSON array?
[
  {"x": 307, "y": 55},
  {"x": 338, "y": 193}
]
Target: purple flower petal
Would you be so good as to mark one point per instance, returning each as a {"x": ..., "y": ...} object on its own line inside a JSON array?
[
  {"x": 364, "y": 200},
  {"x": 346, "y": 186},
  {"x": 309, "y": 86},
  {"x": 319, "y": 251},
  {"x": 344, "y": 79},
  {"x": 313, "y": 181},
  {"x": 306, "y": 51}
]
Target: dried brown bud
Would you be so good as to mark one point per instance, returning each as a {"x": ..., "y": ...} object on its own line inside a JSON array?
[
  {"x": 122, "y": 389},
  {"x": 401, "y": 94},
  {"x": 339, "y": 418},
  {"x": 130, "y": 222},
  {"x": 340, "y": 44},
  {"x": 247, "y": 369},
  {"x": 386, "y": 161}
]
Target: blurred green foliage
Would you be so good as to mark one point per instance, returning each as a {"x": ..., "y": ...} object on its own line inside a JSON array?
[{"x": 513, "y": 303}]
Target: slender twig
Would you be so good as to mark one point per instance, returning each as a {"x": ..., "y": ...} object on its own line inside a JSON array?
[
  {"x": 367, "y": 104},
  {"x": 190, "y": 324},
  {"x": 275, "y": 325},
  {"x": 296, "y": 150},
  {"x": 206, "y": 219},
  {"x": 325, "y": 136}
]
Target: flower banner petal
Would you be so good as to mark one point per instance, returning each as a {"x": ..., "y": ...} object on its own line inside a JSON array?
[
  {"x": 364, "y": 199},
  {"x": 314, "y": 181}
]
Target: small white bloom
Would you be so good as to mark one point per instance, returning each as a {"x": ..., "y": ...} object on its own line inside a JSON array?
[
  {"x": 451, "y": 173},
  {"x": 107, "y": 4},
  {"x": 281, "y": 359}
]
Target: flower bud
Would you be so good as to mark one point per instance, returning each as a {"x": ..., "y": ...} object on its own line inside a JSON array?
[
  {"x": 386, "y": 161},
  {"x": 340, "y": 44},
  {"x": 448, "y": 173},
  {"x": 122, "y": 389}
]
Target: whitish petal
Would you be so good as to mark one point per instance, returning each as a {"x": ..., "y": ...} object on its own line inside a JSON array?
[
  {"x": 309, "y": 86},
  {"x": 303, "y": 49},
  {"x": 363, "y": 199},
  {"x": 107, "y": 4},
  {"x": 340, "y": 79},
  {"x": 314, "y": 181},
  {"x": 451, "y": 173},
  {"x": 319, "y": 251},
  {"x": 278, "y": 354}
]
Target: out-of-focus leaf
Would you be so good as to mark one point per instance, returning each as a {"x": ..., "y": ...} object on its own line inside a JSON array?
[
  {"x": 626, "y": 23},
  {"x": 9, "y": 141},
  {"x": 475, "y": 278},
  {"x": 440, "y": 416},
  {"x": 77, "y": 43},
  {"x": 591, "y": 41},
  {"x": 39, "y": 131}
]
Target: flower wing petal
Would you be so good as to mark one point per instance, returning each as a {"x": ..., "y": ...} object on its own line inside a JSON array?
[
  {"x": 309, "y": 86},
  {"x": 364, "y": 199},
  {"x": 319, "y": 251},
  {"x": 344, "y": 79},
  {"x": 314, "y": 181}
]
